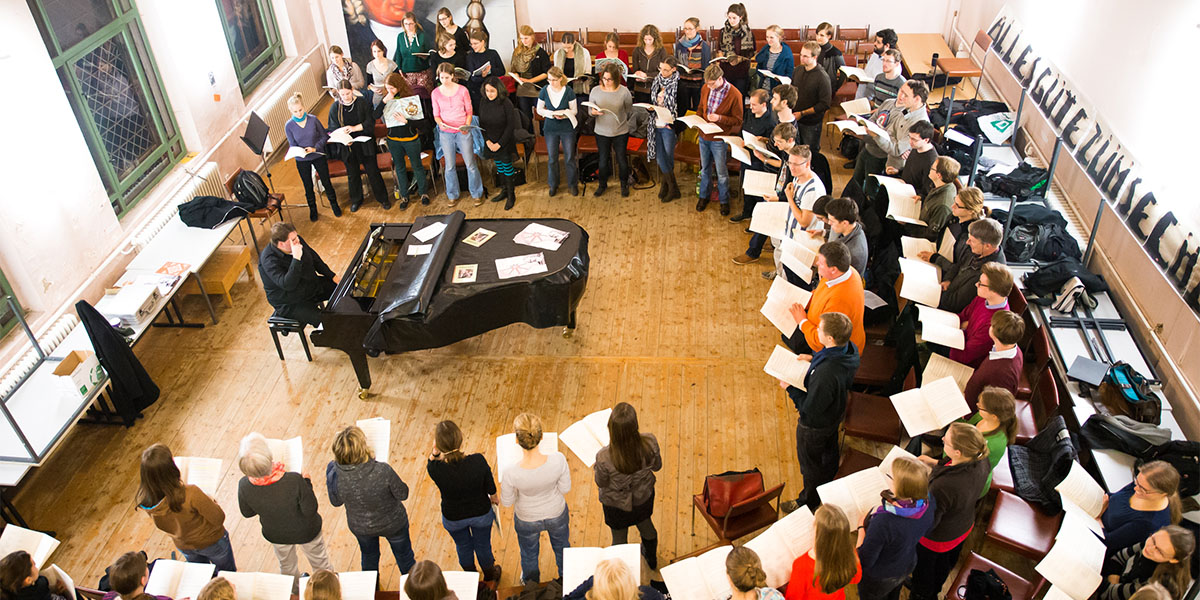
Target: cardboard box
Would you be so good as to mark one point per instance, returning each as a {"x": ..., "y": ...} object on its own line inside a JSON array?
[{"x": 83, "y": 370}]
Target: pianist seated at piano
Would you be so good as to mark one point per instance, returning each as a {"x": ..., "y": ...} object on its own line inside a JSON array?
[{"x": 294, "y": 277}]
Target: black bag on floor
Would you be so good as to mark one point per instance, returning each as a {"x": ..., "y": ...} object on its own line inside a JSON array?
[
  {"x": 1044, "y": 282},
  {"x": 1184, "y": 456},
  {"x": 966, "y": 114},
  {"x": 589, "y": 167},
  {"x": 985, "y": 585},
  {"x": 850, "y": 147},
  {"x": 1022, "y": 183},
  {"x": 249, "y": 189}
]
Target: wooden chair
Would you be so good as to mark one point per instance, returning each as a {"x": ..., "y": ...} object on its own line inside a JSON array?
[
  {"x": 872, "y": 417},
  {"x": 556, "y": 34},
  {"x": 1019, "y": 527},
  {"x": 964, "y": 67},
  {"x": 1019, "y": 587},
  {"x": 850, "y": 88},
  {"x": 876, "y": 366},
  {"x": 597, "y": 36},
  {"x": 842, "y": 45},
  {"x": 796, "y": 46},
  {"x": 810, "y": 32},
  {"x": 853, "y": 34},
  {"x": 629, "y": 39},
  {"x": 795, "y": 35},
  {"x": 743, "y": 518},
  {"x": 262, "y": 214},
  {"x": 668, "y": 37},
  {"x": 760, "y": 36},
  {"x": 854, "y": 461},
  {"x": 1002, "y": 478},
  {"x": 1037, "y": 356}
]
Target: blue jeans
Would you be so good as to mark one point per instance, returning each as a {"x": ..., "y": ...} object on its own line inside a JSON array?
[
  {"x": 714, "y": 152},
  {"x": 472, "y": 538},
  {"x": 401, "y": 550},
  {"x": 664, "y": 150},
  {"x": 567, "y": 140},
  {"x": 529, "y": 538},
  {"x": 451, "y": 141},
  {"x": 219, "y": 554}
]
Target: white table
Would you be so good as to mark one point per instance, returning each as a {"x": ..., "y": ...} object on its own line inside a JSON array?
[{"x": 179, "y": 243}]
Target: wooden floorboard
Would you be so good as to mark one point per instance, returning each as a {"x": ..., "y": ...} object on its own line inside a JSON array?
[{"x": 668, "y": 323}]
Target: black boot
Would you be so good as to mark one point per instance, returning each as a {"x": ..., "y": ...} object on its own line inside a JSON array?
[
  {"x": 510, "y": 192},
  {"x": 624, "y": 189},
  {"x": 650, "y": 552},
  {"x": 673, "y": 188},
  {"x": 600, "y": 187},
  {"x": 503, "y": 185},
  {"x": 337, "y": 210},
  {"x": 312, "y": 209},
  {"x": 663, "y": 187}
]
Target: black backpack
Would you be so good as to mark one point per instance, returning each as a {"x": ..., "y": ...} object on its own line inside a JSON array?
[
  {"x": 1185, "y": 457},
  {"x": 1044, "y": 282},
  {"x": 589, "y": 167},
  {"x": 850, "y": 147},
  {"x": 249, "y": 189},
  {"x": 985, "y": 585},
  {"x": 1037, "y": 233},
  {"x": 1022, "y": 183}
]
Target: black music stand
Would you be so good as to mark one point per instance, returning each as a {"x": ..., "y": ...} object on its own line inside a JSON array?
[{"x": 256, "y": 138}]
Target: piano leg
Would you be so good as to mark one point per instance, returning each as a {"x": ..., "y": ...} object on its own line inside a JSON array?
[
  {"x": 358, "y": 359},
  {"x": 569, "y": 330}
]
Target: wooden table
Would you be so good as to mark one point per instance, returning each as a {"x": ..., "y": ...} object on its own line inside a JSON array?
[
  {"x": 221, "y": 271},
  {"x": 918, "y": 48}
]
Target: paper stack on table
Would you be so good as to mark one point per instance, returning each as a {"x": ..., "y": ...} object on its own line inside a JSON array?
[{"x": 587, "y": 436}]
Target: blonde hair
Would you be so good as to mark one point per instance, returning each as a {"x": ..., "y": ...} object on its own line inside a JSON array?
[
  {"x": 775, "y": 29},
  {"x": 254, "y": 456},
  {"x": 1151, "y": 591},
  {"x": 613, "y": 581},
  {"x": 971, "y": 199},
  {"x": 217, "y": 589},
  {"x": 296, "y": 100},
  {"x": 324, "y": 585},
  {"x": 556, "y": 74},
  {"x": 528, "y": 428},
  {"x": 969, "y": 441},
  {"x": 745, "y": 569},
  {"x": 350, "y": 447},
  {"x": 836, "y": 561},
  {"x": 910, "y": 478}
]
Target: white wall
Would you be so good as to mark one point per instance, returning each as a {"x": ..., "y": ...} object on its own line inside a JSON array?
[{"x": 909, "y": 16}]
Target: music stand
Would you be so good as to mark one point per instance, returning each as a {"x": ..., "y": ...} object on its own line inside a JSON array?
[{"x": 256, "y": 138}]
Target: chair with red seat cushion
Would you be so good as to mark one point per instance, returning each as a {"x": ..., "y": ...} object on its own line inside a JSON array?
[
  {"x": 743, "y": 518},
  {"x": 1002, "y": 478},
  {"x": 1019, "y": 527},
  {"x": 873, "y": 417},
  {"x": 876, "y": 367},
  {"x": 1019, "y": 587},
  {"x": 1027, "y": 426}
]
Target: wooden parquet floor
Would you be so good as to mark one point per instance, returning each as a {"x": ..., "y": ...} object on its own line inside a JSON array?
[{"x": 668, "y": 323}]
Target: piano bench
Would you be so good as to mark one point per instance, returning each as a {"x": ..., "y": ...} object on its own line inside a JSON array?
[{"x": 283, "y": 325}]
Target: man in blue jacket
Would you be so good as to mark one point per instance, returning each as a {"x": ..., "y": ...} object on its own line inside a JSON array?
[{"x": 822, "y": 405}]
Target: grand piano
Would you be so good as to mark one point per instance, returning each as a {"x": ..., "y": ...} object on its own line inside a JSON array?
[{"x": 391, "y": 301}]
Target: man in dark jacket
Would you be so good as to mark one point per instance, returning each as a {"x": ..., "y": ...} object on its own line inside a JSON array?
[
  {"x": 984, "y": 238},
  {"x": 295, "y": 278},
  {"x": 822, "y": 405}
]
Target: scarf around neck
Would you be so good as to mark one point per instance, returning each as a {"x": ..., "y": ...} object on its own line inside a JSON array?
[
  {"x": 745, "y": 41},
  {"x": 668, "y": 86},
  {"x": 689, "y": 44},
  {"x": 909, "y": 509},
  {"x": 277, "y": 472}
]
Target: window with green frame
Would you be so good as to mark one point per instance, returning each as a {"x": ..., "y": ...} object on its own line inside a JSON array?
[
  {"x": 104, "y": 63},
  {"x": 253, "y": 40},
  {"x": 8, "y": 318}
]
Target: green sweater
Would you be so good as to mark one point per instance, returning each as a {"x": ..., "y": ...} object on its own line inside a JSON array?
[
  {"x": 997, "y": 444},
  {"x": 404, "y": 53}
]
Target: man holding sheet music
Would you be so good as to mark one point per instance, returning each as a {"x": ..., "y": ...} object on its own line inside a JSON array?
[
  {"x": 840, "y": 290},
  {"x": 822, "y": 405},
  {"x": 783, "y": 138},
  {"x": 890, "y": 147},
  {"x": 991, "y": 296},
  {"x": 759, "y": 122},
  {"x": 959, "y": 279}
]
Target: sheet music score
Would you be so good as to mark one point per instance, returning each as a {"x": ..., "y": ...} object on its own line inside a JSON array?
[
  {"x": 785, "y": 366},
  {"x": 931, "y": 406},
  {"x": 941, "y": 327},
  {"x": 910, "y": 247},
  {"x": 921, "y": 283},
  {"x": 178, "y": 579},
  {"x": 587, "y": 436},
  {"x": 39, "y": 545},
  {"x": 378, "y": 431},
  {"x": 798, "y": 258},
  {"x": 901, "y": 206},
  {"x": 782, "y": 543},
  {"x": 760, "y": 183},
  {"x": 1074, "y": 562},
  {"x": 699, "y": 123},
  {"x": 857, "y": 106},
  {"x": 856, "y": 494},
  {"x": 700, "y": 577},
  {"x": 779, "y": 314},
  {"x": 290, "y": 452},
  {"x": 1080, "y": 489},
  {"x": 939, "y": 366},
  {"x": 204, "y": 473},
  {"x": 785, "y": 292}
]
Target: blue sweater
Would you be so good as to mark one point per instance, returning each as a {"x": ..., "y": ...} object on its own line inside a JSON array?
[
  {"x": 784, "y": 65},
  {"x": 312, "y": 135},
  {"x": 1124, "y": 526},
  {"x": 889, "y": 549}
]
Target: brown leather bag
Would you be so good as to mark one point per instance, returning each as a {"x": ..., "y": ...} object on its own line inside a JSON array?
[{"x": 726, "y": 489}]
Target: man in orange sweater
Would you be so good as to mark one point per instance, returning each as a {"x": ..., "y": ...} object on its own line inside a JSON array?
[
  {"x": 721, "y": 105},
  {"x": 839, "y": 290}
]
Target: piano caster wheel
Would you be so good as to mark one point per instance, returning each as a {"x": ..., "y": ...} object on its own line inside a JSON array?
[
  {"x": 373, "y": 353},
  {"x": 567, "y": 332},
  {"x": 363, "y": 393}
]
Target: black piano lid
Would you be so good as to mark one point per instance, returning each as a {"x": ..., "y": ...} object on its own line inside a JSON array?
[{"x": 411, "y": 282}]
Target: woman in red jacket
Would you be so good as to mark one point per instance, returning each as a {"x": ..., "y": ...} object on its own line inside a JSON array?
[{"x": 824, "y": 572}]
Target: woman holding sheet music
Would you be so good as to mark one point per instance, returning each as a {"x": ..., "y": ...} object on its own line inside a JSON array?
[
  {"x": 1149, "y": 502},
  {"x": 499, "y": 120},
  {"x": 194, "y": 521},
  {"x": 447, "y": 52},
  {"x": 412, "y": 54},
  {"x": 823, "y": 572},
  {"x": 535, "y": 488},
  {"x": 888, "y": 535},
  {"x": 453, "y": 113},
  {"x": 20, "y": 579},
  {"x": 613, "y": 103},
  {"x": 479, "y": 56},
  {"x": 374, "y": 498},
  {"x": 575, "y": 61},
  {"x": 468, "y": 495},
  {"x": 612, "y": 49},
  {"x": 528, "y": 66},
  {"x": 624, "y": 472},
  {"x": 955, "y": 483},
  {"x": 285, "y": 505},
  {"x": 775, "y": 57},
  {"x": 660, "y": 136},
  {"x": 747, "y": 579},
  {"x": 446, "y": 26},
  {"x": 559, "y": 129},
  {"x": 403, "y": 139},
  {"x": 353, "y": 115},
  {"x": 645, "y": 61},
  {"x": 378, "y": 69},
  {"x": 306, "y": 132},
  {"x": 735, "y": 43}
]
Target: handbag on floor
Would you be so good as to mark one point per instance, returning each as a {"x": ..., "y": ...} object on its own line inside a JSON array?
[{"x": 724, "y": 490}]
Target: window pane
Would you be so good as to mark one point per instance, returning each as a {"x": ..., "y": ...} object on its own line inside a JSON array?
[
  {"x": 73, "y": 20},
  {"x": 244, "y": 22},
  {"x": 114, "y": 100}
]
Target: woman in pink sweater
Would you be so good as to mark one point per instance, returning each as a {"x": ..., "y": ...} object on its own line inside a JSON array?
[{"x": 452, "y": 111}]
